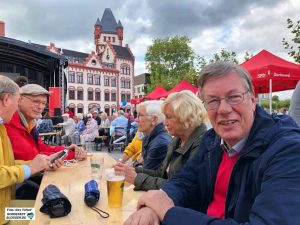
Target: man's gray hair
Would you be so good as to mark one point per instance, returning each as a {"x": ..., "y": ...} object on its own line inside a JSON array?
[
  {"x": 220, "y": 69},
  {"x": 7, "y": 86},
  {"x": 153, "y": 108}
]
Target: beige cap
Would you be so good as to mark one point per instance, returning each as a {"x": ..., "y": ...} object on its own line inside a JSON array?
[
  {"x": 33, "y": 89},
  {"x": 65, "y": 115}
]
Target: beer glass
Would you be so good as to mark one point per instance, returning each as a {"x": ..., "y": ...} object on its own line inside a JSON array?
[{"x": 115, "y": 187}]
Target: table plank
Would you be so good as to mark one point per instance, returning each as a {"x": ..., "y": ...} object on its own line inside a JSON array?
[{"x": 71, "y": 181}]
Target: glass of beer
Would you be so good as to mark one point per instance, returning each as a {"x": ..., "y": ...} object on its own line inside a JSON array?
[{"x": 115, "y": 187}]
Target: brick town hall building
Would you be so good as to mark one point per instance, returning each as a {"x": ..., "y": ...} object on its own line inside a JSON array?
[{"x": 102, "y": 79}]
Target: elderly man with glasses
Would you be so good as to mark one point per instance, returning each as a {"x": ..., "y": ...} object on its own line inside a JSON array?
[
  {"x": 22, "y": 128},
  {"x": 246, "y": 170},
  {"x": 14, "y": 171}
]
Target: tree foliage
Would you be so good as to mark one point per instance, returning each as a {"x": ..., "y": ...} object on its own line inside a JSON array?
[
  {"x": 169, "y": 61},
  {"x": 223, "y": 55},
  {"x": 294, "y": 47}
]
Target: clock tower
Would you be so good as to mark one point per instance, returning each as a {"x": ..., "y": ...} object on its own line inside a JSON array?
[{"x": 107, "y": 30}]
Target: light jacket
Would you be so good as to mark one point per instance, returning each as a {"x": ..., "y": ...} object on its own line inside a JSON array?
[
  {"x": 27, "y": 145},
  {"x": 134, "y": 148},
  {"x": 10, "y": 174},
  {"x": 264, "y": 186},
  {"x": 91, "y": 130},
  {"x": 68, "y": 126},
  {"x": 155, "y": 147},
  {"x": 176, "y": 157}
]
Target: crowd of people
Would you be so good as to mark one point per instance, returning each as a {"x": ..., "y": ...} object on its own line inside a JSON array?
[{"x": 215, "y": 158}]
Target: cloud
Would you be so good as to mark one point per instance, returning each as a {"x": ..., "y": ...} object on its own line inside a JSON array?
[{"x": 235, "y": 25}]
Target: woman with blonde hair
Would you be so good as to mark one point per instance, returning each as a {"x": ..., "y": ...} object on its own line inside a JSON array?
[{"x": 185, "y": 118}]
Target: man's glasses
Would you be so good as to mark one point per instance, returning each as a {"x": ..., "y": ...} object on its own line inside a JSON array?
[
  {"x": 139, "y": 116},
  {"x": 36, "y": 102},
  {"x": 232, "y": 99}
]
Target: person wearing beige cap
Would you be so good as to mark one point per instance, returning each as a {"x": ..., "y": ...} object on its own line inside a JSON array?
[
  {"x": 22, "y": 128},
  {"x": 13, "y": 171},
  {"x": 68, "y": 128}
]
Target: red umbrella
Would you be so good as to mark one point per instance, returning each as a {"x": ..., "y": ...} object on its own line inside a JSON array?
[
  {"x": 157, "y": 93},
  {"x": 267, "y": 69},
  {"x": 183, "y": 85}
]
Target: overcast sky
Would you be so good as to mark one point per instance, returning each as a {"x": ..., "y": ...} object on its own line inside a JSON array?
[{"x": 236, "y": 25}]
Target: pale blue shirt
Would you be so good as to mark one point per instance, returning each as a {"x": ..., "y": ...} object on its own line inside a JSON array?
[
  {"x": 237, "y": 148},
  {"x": 26, "y": 167}
]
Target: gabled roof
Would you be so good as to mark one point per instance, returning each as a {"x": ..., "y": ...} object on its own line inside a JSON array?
[
  {"x": 122, "y": 51},
  {"x": 73, "y": 55},
  {"x": 108, "y": 22},
  {"x": 143, "y": 78}
]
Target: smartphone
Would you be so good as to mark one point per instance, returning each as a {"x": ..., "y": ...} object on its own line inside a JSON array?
[{"x": 61, "y": 155}]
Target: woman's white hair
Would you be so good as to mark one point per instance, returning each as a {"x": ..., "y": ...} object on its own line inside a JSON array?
[{"x": 153, "y": 108}]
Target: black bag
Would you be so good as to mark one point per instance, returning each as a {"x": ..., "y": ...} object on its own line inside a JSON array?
[{"x": 55, "y": 203}]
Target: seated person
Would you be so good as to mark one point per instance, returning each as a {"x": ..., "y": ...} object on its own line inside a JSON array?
[
  {"x": 68, "y": 129},
  {"x": 79, "y": 127},
  {"x": 96, "y": 117},
  {"x": 151, "y": 124},
  {"x": 104, "y": 125},
  {"x": 46, "y": 124},
  {"x": 118, "y": 126},
  {"x": 185, "y": 121},
  {"x": 246, "y": 170},
  {"x": 22, "y": 130},
  {"x": 90, "y": 132},
  {"x": 14, "y": 171},
  {"x": 133, "y": 150}
]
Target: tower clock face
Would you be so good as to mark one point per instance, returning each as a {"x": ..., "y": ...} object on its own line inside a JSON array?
[{"x": 107, "y": 56}]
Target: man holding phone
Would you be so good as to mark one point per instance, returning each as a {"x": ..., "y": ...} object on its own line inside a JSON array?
[
  {"x": 22, "y": 128},
  {"x": 15, "y": 171}
]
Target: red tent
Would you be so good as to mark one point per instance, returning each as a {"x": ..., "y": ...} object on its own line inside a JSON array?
[
  {"x": 183, "y": 85},
  {"x": 136, "y": 101},
  {"x": 268, "y": 70},
  {"x": 157, "y": 93}
]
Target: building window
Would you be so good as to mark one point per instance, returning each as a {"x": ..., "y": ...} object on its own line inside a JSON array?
[
  {"x": 122, "y": 83},
  {"x": 106, "y": 96},
  {"x": 90, "y": 95},
  {"x": 90, "y": 78},
  {"x": 122, "y": 97},
  {"x": 125, "y": 69},
  {"x": 97, "y": 96},
  {"x": 71, "y": 94},
  {"x": 113, "y": 97},
  {"x": 106, "y": 81},
  {"x": 113, "y": 82},
  {"x": 138, "y": 90},
  {"x": 79, "y": 95},
  {"x": 127, "y": 84},
  {"x": 79, "y": 78},
  {"x": 71, "y": 77},
  {"x": 113, "y": 39},
  {"x": 127, "y": 97},
  {"x": 79, "y": 110},
  {"x": 94, "y": 62},
  {"x": 97, "y": 79},
  {"x": 104, "y": 38}
]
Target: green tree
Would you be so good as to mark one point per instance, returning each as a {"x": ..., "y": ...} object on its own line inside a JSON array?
[
  {"x": 223, "y": 55},
  {"x": 169, "y": 61},
  {"x": 294, "y": 47}
]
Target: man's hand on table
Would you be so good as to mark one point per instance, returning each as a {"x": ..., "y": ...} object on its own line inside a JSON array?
[
  {"x": 144, "y": 216},
  {"x": 80, "y": 153},
  {"x": 158, "y": 201}
]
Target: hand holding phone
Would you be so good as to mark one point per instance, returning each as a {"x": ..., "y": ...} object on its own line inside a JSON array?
[{"x": 61, "y": 155}]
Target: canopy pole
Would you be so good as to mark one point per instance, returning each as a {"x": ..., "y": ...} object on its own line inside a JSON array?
[{"x": 270, "y": 95}]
